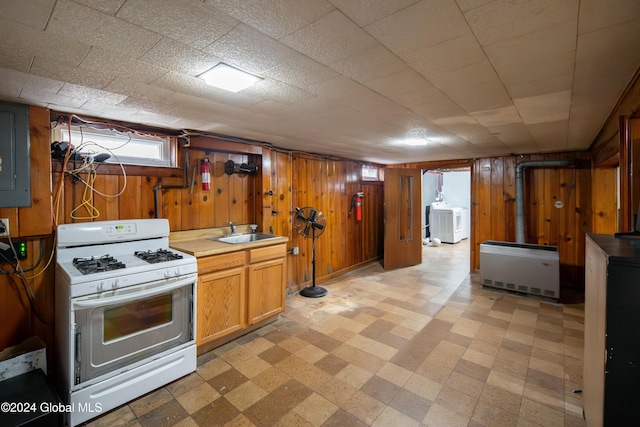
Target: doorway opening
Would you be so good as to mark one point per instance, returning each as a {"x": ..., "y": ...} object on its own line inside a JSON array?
[{"x": 446, "y": 207}]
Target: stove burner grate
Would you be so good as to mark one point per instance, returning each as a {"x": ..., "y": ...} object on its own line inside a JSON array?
[
  {"x": 97, "y": 264},
  {"x": 160, "y": 255}
]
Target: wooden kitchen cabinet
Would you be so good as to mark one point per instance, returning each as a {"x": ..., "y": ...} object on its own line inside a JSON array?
[
  {"x": 266, "y": 282},
  {"x": 237, "y": 290},
  {"x": 221, "y": 304},
  {"x": 611, "y": 378},
  {"x": 266, "y": 290}
]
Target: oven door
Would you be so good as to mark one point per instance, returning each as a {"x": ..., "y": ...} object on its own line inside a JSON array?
[{"x": 116, "y": 329}]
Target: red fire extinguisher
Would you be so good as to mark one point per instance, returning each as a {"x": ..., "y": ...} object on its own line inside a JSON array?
[
  {"x": 356, "y": 202},
  {"x": 205, "y": 172}
]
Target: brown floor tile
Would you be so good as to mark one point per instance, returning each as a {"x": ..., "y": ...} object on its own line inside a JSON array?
[
  {"x": 472, "y": 370},
  {"x": 380, "y": 389},
  {"x": 342, "y": 418},
  {"x": 331, "y": 364},
  {"x": 219, "y": 412},
  {"x": 411, "y": 404},
  {"x": 425, "y": 345},
  {"x": 227, "y": 381},
  {"x": 166, "y": 415},
  {"x": 270, "y": 409}
]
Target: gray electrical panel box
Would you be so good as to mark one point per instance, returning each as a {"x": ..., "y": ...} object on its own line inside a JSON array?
[{"x": 15, "y": 175}]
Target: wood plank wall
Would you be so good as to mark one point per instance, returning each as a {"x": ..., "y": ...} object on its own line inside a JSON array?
[
  {"x": 493, "y": 213},
  {"x": 286, "y": 180},
  {"x": 34, "y": 225}
]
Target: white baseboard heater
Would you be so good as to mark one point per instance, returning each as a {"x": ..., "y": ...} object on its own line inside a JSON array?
[{"x": 521, "y": 267}]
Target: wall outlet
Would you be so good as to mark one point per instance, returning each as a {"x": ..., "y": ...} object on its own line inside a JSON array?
[{"x": 4, "y": 227}]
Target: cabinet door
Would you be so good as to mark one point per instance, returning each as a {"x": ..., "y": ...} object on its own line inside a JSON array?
[
  {"x": 266, "y": 289},
  {"x": 220, "y": 305}
]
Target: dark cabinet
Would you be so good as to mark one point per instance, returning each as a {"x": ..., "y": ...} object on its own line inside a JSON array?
[{"x": 612, "y": 331}]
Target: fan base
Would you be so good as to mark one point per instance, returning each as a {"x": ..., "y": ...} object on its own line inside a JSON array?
[{"x": 313, "y": 292}]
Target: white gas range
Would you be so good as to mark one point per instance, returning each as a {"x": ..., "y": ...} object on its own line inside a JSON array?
[{"x": 125, "y": 313}]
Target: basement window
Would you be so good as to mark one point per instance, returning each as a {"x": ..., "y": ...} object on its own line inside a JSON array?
[
  {"x": 370, "y": 173},
  {"x": 122, "y": 147}
]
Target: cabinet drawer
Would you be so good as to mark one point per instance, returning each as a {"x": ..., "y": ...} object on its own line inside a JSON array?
[
  {"x": 220, "y": 262},
  {"x": 267, "y": 253}
]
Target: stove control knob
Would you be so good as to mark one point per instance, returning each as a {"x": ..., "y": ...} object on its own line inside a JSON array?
[
  {"x": 114, "y": 284},
  {"x": 100, "y": 286}
]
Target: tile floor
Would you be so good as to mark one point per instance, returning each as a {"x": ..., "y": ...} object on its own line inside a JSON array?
[{"x": 424, "y": 345}]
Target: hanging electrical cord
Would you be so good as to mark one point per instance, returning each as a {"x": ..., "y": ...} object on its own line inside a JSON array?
[{"x": 17, "y": 270}]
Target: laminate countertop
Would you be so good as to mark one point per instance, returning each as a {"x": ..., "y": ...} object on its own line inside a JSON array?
[{"x": 201, "y": 243}]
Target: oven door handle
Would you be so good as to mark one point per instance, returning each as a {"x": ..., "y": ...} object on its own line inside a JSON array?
[{"x": 159, "y": 287}]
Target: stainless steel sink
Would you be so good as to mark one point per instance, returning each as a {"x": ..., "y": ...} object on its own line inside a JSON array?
[{"x": 236, "y": 239}]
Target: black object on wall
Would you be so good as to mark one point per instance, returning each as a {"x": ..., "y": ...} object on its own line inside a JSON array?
[{"x": 15, "y": 167}]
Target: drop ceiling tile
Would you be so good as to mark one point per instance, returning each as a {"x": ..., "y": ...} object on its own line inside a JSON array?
[
  {"x": 102, "y": 60},
  {"x": 12, "y": 82},
  {"x": 330, "y": 39},
  {"x": 188, "y": 21},
  {"x": 30, "y": 94},
  {"x": 472, "y": 88},
  {"x": 535, "y": 56},
  {"x": 251, "y": 50},
  {"x": 178, "y": 57},
  {"x": 511, "y": 134},
  {"x": 140, "y": 90},
  {"x": 597, "y": 14},
  {"x": 335, "y": 88},
  {"x": 595, "y": 47},
  {"x": 83, "y": 92},
  {"x": 551, "y": 107},
  {"x": 450, "y": 54},
  {"x": 276, "y": 18},
  {"x": 100, "y": 109},
  {"x": 370, "y": 64},
  {"x": 465, "y": 5},
  {"x": 420, "y": 25},
  {"x": 30, "y": 41},
  {"x": 45, "y": 67},
  {"x": 301, "y": 71},
  {"x": 279, "y": 92},
  {"x": 15, "y": 59},
  {"x": 78, "y": 22},
  {"x": 497, "y": 116},
  {"x": 110, "y": 7},
  {"x": 370, "y": 102},
  {"x": 365, "y": 12},
  {"x": 552, "y": 136},
  {"x": 30, "y": 13},
  {"x": 535, "y": 87},
  {"x": 504, "y": 19}
]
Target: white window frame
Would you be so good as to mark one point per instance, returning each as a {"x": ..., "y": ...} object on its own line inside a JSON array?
[
  {"x": 121, "y": 146},
  {"x": 370, "y": 173}
]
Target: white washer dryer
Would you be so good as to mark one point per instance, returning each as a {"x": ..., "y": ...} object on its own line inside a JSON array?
[{"x": 448, "y": 223}]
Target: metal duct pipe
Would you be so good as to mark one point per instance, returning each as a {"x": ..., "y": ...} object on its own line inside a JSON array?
[{"x": 520, "y": 189}]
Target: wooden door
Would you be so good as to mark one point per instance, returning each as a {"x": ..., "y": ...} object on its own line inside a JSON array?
[{"x": 402, "y": 217}]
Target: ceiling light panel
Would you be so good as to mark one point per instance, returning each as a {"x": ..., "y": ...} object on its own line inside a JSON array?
[{"x": 229, "y": 78}]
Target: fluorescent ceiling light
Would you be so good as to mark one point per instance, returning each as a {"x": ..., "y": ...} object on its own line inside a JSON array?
[
  {"x": 228, "y": 78},
  {"x": 415, "y": 142}
]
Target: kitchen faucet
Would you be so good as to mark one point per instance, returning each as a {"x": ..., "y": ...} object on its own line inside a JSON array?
[{"x": 232, "y": 224}]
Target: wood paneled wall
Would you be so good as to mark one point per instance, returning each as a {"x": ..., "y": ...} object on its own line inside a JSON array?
[
  {"x": 558, "y": 207},
  {"x": 33, "y": 224},
  {"x": 285, "y": 180},
  {"x": 328, "y": 185},
  {"x": 588, "y": 205}
]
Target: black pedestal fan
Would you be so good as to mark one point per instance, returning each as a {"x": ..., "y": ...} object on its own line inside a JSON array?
[{"x": 310, "y": 222}]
